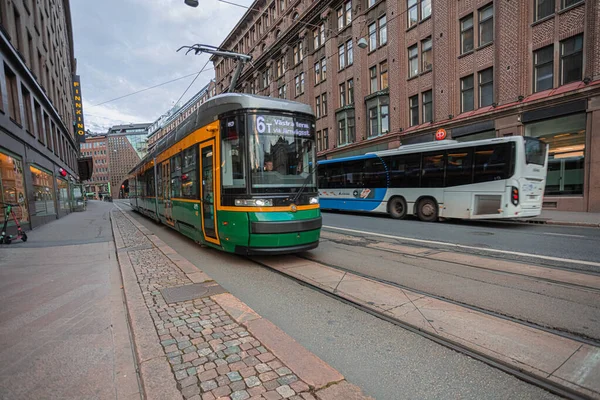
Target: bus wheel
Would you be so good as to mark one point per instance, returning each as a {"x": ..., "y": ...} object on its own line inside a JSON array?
[
  {"x": 397, "y": 208},
  {"x": 427, "y": 210}
]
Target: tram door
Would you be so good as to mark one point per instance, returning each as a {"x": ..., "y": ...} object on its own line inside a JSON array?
[
  {"x": 166, "y": 178},
  {"x": 207, "y": 168}
]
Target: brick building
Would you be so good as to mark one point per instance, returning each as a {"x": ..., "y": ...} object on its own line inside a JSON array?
[
  {"x": 384, "y": 73},
  {"x": 38, "y": 147},
  {"x": 96, "y": 147},
  {"x": 126, "y": 146}
]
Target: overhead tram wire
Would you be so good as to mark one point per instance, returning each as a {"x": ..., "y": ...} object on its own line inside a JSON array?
[
  {"x": 151, "y": 87},
  {"x": 336, "y": 33},
  {"x": 190, "y": 85}
]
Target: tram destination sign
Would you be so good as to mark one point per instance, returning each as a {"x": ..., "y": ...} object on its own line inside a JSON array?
[{"x": 279, "y": 125}]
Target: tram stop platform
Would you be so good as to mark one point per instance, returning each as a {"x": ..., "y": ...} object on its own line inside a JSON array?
[{"x": 96, "y": 306}]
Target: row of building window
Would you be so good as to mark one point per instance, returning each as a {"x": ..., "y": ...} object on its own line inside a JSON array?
[
  {"x": 36, "y": 121},
  {"x": 51, "y": 74}
]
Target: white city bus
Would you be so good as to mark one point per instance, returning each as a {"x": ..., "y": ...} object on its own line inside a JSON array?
[{"x": 483, "y": 179}]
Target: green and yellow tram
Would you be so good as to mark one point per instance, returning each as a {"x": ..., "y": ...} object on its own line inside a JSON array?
[{"x": 238, "y": 175}]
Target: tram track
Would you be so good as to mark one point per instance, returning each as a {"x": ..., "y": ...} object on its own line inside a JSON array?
[
  {"x": 429, "y": 256},
  {"x": 496, "y": 362},
  {"x": 566, "y": 334}
]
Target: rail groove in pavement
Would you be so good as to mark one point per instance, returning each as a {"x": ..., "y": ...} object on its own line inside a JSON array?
[{"x": 544, "y": 357}]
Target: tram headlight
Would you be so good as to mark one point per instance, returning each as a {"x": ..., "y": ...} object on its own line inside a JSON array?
[
  {"x": 314, "y": 200},
  {"x": 254, "y": 202}
]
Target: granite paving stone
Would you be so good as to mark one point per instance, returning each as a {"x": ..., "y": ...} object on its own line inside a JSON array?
[{"x": 211, "y": 355}]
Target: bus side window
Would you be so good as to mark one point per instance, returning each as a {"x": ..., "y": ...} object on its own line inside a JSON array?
[
  {"x": 404, "y": 170},
  {"x": 459, "y": 167},
  {"x": 492, "y": 163},
  {"x": 433, "y": 170},
  {"x": 354, "y": 174},
  {"x": 375, "y": 175}
]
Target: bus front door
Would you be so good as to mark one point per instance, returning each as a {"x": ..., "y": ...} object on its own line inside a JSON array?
[
  {"x": 207, "y": 194},
  {"x": 166, "y": 178}
]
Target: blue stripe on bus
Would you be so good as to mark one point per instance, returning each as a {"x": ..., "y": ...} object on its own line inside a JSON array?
[
  {"x": 354, "y": 204},
  {"x": 353, "y": 158}
]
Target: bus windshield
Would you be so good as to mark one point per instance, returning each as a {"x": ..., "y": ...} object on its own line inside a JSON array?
[
  {"x": 535, "y": 151},
  {"x": 282, "y": 153}
]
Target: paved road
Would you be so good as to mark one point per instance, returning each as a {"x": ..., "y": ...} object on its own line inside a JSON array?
[
  {"x": 386, "y": 361},
  {"x": 576, "y": 243}
]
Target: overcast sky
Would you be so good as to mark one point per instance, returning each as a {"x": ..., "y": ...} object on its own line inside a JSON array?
[{"x": 122, "y": 46}]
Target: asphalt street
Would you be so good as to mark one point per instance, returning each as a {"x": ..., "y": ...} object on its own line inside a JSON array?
[{"x": 577, "y": 243}]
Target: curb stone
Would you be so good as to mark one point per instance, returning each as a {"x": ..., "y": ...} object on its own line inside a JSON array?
[{"x": 325, "y": 382}]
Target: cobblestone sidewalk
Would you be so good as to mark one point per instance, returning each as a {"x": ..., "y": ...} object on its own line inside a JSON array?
[{"x": 211, "y": 355}]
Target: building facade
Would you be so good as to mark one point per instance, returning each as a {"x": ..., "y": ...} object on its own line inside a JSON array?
[
  {"x": 96, "y": 147},
  {"x": 126, "y": 146},
  {"x": 169, "y": 121},
  {"x": 38, "y": 147},
  {"x": 381, "y": 73}
]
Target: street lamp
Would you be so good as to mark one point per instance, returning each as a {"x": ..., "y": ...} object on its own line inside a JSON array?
[
  {"x": 191, "y": 3},
  {"x": 362, "y": 43}
]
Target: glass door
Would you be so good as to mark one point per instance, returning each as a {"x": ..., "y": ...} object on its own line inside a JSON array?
[{"x": 207, "y": 165}]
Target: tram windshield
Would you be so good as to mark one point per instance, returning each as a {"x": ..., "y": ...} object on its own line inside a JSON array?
[{"x": 282, "y": 153}]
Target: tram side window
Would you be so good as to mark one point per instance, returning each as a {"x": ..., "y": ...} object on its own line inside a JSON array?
[
  {"x": 149, "y": 179},
  {"x": 233, "y": 155},
  {"x": 176, "y": 176},
  {"x": 375, "y": 175},
  {"x": 189, "y": 173},
  {"x": 159, "y": 180},
  {"x": 432, "y": 174},
  {"x": 493, "y": 162},
  {"x": 142, "y": 185},
  {"x": 404, "y": 170},
  {"x": 459, "y": 167}
]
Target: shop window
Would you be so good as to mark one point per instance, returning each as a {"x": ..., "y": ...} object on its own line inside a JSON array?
[
  {"x": 566, "y": 137},
  {"x": 12, "y": 186},
  {"x": 43, "y": 192},
  {"x": 62, "y": 189}
]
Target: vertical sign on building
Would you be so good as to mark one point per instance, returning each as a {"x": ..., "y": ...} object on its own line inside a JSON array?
[{"x": 78, "y": 103}]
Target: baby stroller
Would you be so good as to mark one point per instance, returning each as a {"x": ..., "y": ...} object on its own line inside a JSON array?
[{"x": 4, "y": 237}]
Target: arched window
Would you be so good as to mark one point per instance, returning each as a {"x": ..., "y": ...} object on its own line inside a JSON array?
[
  {"x": 277, "y": 34},
  {"x": 296, "y": 16}
]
